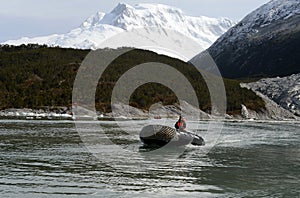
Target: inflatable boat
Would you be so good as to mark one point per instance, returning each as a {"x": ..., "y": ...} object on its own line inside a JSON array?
[{"x": 159, "y": 135}]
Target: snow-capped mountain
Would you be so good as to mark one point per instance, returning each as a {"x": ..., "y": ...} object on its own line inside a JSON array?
[
  {"x": 99, "y": 27},
  {"x": 284, "y": 91},
  {"x": 265, "y": 43}
]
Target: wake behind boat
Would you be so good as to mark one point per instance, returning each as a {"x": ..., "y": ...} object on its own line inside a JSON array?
[{"x": 159, "y": 135}]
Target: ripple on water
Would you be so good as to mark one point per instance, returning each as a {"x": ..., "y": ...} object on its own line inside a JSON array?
[{"x": 49, "y": 159}]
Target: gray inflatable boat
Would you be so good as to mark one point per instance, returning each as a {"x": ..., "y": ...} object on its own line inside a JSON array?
[{"x": 159, "y": 135}]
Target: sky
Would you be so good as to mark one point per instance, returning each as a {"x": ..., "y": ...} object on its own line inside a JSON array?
[{"x": 30, "y": 18}]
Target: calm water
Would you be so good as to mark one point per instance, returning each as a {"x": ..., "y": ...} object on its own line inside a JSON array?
[{"x": 49, "y": 159}]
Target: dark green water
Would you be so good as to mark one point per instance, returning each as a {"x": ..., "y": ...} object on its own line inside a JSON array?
[{"x": 48, "y": 159}]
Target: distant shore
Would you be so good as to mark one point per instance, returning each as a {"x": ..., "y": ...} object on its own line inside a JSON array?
[
  {"x": 60, "y": 113},
  {"x": 65, "y": 113}
]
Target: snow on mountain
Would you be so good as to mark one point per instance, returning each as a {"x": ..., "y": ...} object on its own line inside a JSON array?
[
  {"x": 284, "y": 91},
  {"x": 273, "y": 11},
  {"x": 99, "y": 27},
  {"x": 264, "y": 43},
  {"x": 261, "y": 18}
]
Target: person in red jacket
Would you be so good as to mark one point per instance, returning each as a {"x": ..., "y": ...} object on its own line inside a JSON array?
[{"x": 180, "y": 125}]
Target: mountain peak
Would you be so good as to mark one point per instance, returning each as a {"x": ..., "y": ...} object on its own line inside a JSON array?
[
  {"x": 100, "y": 26},
  {"x": 142, "y": 15},
  {"x": 121, "y": 8}
]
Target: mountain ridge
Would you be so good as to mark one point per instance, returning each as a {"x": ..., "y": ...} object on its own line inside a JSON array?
[
  {"x": 264, "y": 44},
  {"x": 100, "y": 26}
]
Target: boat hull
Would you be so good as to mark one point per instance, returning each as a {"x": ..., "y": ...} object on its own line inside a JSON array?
[{"x": 158, "y": 135}]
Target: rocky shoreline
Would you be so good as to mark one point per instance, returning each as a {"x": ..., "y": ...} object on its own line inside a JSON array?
[
  {"x": 48, "y": 113},
  {"x": 157, "y": 111}
]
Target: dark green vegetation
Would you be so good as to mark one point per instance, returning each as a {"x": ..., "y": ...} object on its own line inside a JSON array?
[{"x": 37, "y": 76}]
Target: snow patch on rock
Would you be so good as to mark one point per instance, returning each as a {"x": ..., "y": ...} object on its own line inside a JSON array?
[
  {"x": 284, "y": 91},
  {"x": 272, "y": 110}
]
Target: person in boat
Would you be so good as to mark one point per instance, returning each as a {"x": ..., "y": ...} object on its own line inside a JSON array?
[{"x": 180, "y": 125}]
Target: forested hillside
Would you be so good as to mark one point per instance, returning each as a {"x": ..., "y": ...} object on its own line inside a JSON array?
[{"x": 33, "y": 76}]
